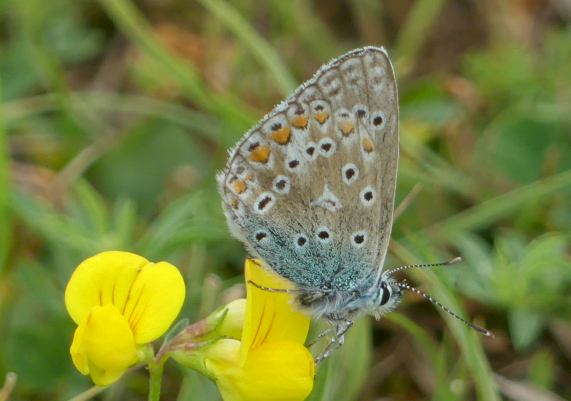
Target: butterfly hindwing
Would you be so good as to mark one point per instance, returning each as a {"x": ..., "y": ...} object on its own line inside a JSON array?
[{"x": 310, "y": 189}]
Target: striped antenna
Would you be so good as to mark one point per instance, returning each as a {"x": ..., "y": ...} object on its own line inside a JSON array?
[
  {"x": 453, "y": 261},
  {"x": 406, "y": 286}
]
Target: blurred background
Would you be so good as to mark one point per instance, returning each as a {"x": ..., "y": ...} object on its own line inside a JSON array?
[{"x": 116, "y": 114}]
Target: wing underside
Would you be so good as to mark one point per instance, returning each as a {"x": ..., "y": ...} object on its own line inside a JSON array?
[{"x": 310, "y": 189}]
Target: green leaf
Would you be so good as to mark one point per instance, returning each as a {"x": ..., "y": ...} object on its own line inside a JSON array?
[
  {"x": 500, "y": 206},
  {"x": 543, "y": 369},
  {"x": 175, "y": 329},
  {"x": 525, "y": 327}
]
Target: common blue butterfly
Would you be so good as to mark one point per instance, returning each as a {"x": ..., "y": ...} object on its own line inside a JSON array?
[{"x": 310, "y": 189}]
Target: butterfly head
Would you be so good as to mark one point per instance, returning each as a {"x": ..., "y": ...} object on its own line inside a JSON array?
[{"x": 388, "y": 296}]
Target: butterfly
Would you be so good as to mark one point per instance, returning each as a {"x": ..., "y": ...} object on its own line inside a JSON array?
[{"x": 311, "y": 188}]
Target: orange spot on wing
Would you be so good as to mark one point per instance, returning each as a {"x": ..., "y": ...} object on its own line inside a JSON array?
[
  {"x": 300, "y": 122},
  {"x": 368, "y": 145},
  {"x": 346, "y": 128},
  {"x": 282, "y": 135},
  {"x": 239, "y": 186},
  {"x": 260, "y": 154},
  {"x": 321, "y": 117}
]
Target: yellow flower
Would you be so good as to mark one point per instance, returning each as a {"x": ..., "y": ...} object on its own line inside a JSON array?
[
  {"x": 120, "y": 302},
  {"x": 270, "y": 362}
]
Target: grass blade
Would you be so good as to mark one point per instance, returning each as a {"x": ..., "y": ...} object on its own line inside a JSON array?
[
  {"x": 501, "y": 206},
  {"x": 133, "y": 24},
  {"x": 415, "y": 32},
  {"x": 259, "y": 48},
  {"x": 467, "y": 339},
  {"x": 5, "y": 231}
]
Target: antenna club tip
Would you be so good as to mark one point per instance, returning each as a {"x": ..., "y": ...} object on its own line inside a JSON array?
[{"x": 455, "y": 260}]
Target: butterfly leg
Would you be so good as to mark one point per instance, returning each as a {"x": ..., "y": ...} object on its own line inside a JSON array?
[
  {"x": 324, "y": 333},
  {"x": 340, "y": 327}
]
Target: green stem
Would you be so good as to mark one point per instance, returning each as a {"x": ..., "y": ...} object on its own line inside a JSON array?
[
  {"x": 156, "y": 375},
  {"x": 88, "y": 394}
]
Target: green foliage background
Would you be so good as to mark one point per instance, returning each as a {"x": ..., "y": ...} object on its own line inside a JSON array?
[{"x": 115, "y": 116}]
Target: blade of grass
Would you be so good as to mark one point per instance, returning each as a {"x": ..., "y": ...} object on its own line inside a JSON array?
[
  {"x": 51, "y": 225},
  {"x": 50, "y": 67},
  {"x": 368, "y": 15},
  {"x": 304, "y": 26},
  {"x": 5, "y": 232},
  {"x": 200, "y": 123},
  {"x": 134, "y": 25},
  {"x": 5, "y": 229},
  {"x": 501, "y": 206},
  {"x": 468, "y": 340},
  {"x": 415, "y": 31},
  {"x": 431, "y": 164},
  {"x": 259, "y": 48},
  {"x": 418, "y": 333},
  {"x": 435, "y": 356}
]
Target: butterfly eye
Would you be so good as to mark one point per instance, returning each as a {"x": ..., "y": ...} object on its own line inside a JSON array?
[{"x": 385, "y": 289}]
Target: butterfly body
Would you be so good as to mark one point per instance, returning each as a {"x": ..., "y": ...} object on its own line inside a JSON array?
[
  {"x": 310, "y": 189},
  {"x": 375, "y": 299}
]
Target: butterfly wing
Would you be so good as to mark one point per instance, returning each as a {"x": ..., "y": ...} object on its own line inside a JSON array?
[{"x": 310, "y": 189}]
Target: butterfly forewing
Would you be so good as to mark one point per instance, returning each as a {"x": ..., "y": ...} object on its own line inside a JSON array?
[{"x": 310, "y": 189}]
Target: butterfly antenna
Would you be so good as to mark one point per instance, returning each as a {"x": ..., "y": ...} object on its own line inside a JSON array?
[
  {"x": 406, "y": 286},
  {"x": 453, "y": 261}
]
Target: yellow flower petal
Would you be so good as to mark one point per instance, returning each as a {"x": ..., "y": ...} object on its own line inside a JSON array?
[
  {"x": 103, "y": 345},
  {"x": 155, "y": 301},
  {"x": 105, "y": 278},
  {"x": 77, "y": 350},
  {"x": 149, "y": 295},
  {"x": 222, "y": 356},
  {"x": 270, "y": 316},
  {"x": 105, "y": 377},
  {"x": 278, "y": 371}
]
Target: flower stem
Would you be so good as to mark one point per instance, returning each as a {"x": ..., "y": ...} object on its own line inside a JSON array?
[
  {"x": 88, "y": 394},
  {"x": 156, "y": 375}
]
